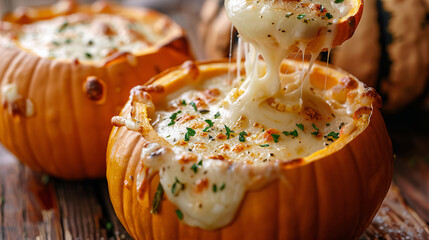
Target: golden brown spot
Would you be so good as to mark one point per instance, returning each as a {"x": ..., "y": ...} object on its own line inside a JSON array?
[
  {"x": 218, "y": 157},
  {"x": 187, "y": 158},
  {"x": 224, "y": 147},
  {"x": 107, "y": 30},
  {"x": 373, "y": 95},
  {"x": 349, "y": 83},
  {"x": 186, "y": 118},
  {"x": 266, "y": 136},
  {"x": 311, "y": 114},
  {"x": 239, "y": 147},
  {"x": 220, "y": 136},
  {"x": 361, "y": 111},
  {"x": 196, "y": 125},
  {"x": 201, "y": 185},
  {"x": 181, "y": 142}
]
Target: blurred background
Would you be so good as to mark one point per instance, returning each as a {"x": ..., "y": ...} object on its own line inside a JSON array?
[{"x": 184, "y": 12}]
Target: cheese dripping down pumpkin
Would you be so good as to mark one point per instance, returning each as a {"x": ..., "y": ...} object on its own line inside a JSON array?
[
  {"x": 256, "y": 152},
  {"x": 66, "y": 69}
]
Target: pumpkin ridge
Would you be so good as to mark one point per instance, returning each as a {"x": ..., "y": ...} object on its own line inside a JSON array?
[
  {"x": 9, "y": 122},
  {"x": 25, "y": 124}
]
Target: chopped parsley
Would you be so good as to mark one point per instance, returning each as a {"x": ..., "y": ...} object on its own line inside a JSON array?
[
  {"x": 204, "y": 111},
  {"x": 68, "y": 41},
  {"x": 183, "y": 103},
  {"x": 293, "y": 133},
  {"x": 179, "y": 214},
  {"x": 190, "y": 133},
  {"x": 275, "y": 137},
  {"x": 314, "y": 126},
  {"x": 210, "y": 123},
  {"x": 194, "y": 168},
  {"x": 63, "y": 26},
  {"x": 177, "y": 187},
  {"x": 194, "y": 106},
  {"x": 222, "y": 186},
  {"x": 214, "y": 188},
  {"x": 241, "y": 136},
  {"x": 228, "y": 132},
  {"x": 217, "y": 115},
  {"x": 173, "y": 118},
  {"x": 328, "y": 124},
  {"x": 88, "y": 55},
  {"x": 300, "y": 126},
  {"x": 265, "y": 145},
  {"x": 339, "y": 1},
  {"x": 334, "y": 135},
  {"x": 300, "y": 16},
  {"x": 329, "y": 16},
  {"x": 288, "y": 14},
  {"x": 90, "y": 43},
  {"x": 157, "y": 199},
  {"x": 315, "y": 133}
]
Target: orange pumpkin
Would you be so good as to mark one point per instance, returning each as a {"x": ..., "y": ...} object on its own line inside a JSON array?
[
  {"x": 55, "y": 113},
  {"x": 331, "y": 194}
]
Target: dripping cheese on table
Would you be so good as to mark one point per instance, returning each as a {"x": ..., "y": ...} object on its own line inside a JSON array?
[{"x": 86, "y": 37}]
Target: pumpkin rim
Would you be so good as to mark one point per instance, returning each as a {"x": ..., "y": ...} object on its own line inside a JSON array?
[
  {"x": 47, "y": 12},
  {"x": 182, "y": 72}
]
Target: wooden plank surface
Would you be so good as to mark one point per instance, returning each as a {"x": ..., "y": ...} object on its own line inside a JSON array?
[{"x": 34, "y": 206}]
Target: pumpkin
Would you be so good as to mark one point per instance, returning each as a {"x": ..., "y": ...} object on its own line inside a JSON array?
[
  {"x": 391, "y": 45},
  {"x": 55, "y": 112},
  {"x": 332, "y": 194}
]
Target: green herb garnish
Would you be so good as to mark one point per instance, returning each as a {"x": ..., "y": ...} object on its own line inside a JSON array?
[
  {"x": 275, "y": 137},
  {"x": 228, "y": 132},
  {"x": 210, "y": 123},
  {"x": 88, "y": 55},
  {"x": 214, "y": 188},
  {"x": 179, "y": 214},
  {"x": 241, "y": 136},
  {"x": 204, "y": 111},
  {"x": 300, "y": 126},
  {"x": 156, "y": 204},
  {"x": 339, "y": 1},
  {"x": 265, "y": 145},
  {"x": 183, "y": 103},
  {"x": 288, "y": 14},
  {"x": 190, "y": 133},
  {"x": 217, "y": 115},
  {"x": 222, "y": 186},
  {"x": 293, "y": 133},
  {"x": 333, "y": 135},
  {"x": 177, "y": 187},
  {"x": 173, "y": 118},
  {"x": 300, "y": 16},
  {"x": 63, "y": 26},
  {"x": 314, "y": 126},
  {"x": 194, "y": 106},
  {"x": 329, "y": 16}
]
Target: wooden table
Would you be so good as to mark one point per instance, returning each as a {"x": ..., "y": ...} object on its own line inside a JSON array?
[{"x": 35, "y": 206}]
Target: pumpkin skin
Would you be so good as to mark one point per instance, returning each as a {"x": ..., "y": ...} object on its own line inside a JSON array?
[
  {"x": 391, "y": 45},
  {"x": 66, "y": 135},
  {"x": 329, "y": 195}
]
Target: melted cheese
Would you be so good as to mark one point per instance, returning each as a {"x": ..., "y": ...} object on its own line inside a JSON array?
[
  {"x": 86, "y": 37},
  {"x": 274, "y": 30},
  {"x": 227, "y": 137}
]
